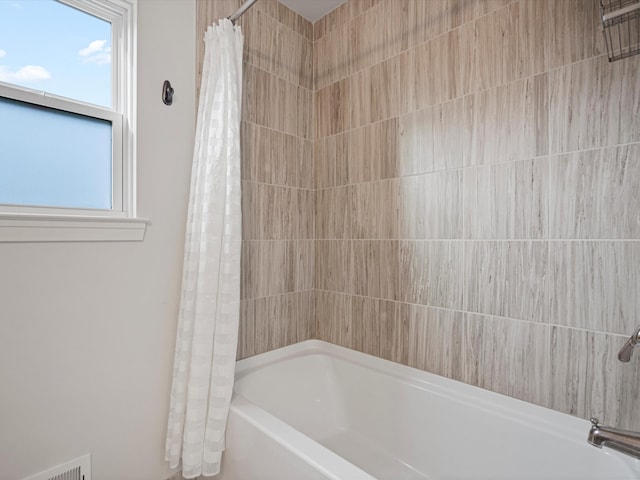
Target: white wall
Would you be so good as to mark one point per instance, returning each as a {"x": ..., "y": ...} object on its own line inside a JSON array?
[{"x": 87, "y": 330}]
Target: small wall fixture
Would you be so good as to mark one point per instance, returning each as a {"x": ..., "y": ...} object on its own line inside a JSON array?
[{"x": 167, "y": 93}]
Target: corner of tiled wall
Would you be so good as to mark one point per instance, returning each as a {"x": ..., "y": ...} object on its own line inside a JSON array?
[
  {"x": 476, "y": 196},
  {"x": 451, "y": 185}
]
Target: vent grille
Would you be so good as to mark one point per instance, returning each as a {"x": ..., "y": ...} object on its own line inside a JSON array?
[{"x": 77, "y": 469}]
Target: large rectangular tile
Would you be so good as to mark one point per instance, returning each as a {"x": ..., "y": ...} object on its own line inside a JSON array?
[
  {"x": 276, "y": 213},
  {"x": 429, "y": 206},
  {"x": 375, "y": 269},
  {"x": 377, "y": 34},
  {"x": 575, "y": 32},
  {"x": 331, "y": 160},
  {"x": 276, "y": 267},
  {"x": 367, "y": 317},
  {"x": 276, "y": 48},
  {"x": 595, "y": 285},
  {"x": 275, "y": 322},
  {"x": 273, "y": 157},
  {"x": 431, "y": 273},
  {"x": 246, "y": 330},
  {"x": 394, "y": 334},
  {"x": 331, "y": 57},
  {"x": 273, "y": 102},
  {"x": 373, "y": 151},
  {"x": 594, "y": 103},
  {"x": 435, "y": 337},
  {"x": 332, "y": 109},
  {"x": 514, "y": 357},
  {"x": 333, "y": 318},
  {"x": 429, "y": 139},
  {"x": 429, "y": 19},
  {"x": 438, "y": 69},
  {"x": 509, "y": 44},
  {"x": 508, "y": 200},
  {"x": 507, "y": 123},
  {"x": 594, "y": 194},
  {"x": 507, "y": 279},
  {"x": 374, "y": 210},
  {"x": 333, "y": 215},
  {"x": 587, "y": 380},
  {"x": 333, "y": 265}
]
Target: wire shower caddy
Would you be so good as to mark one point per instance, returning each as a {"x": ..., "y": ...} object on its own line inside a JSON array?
[{"x": 621, "y": 27}]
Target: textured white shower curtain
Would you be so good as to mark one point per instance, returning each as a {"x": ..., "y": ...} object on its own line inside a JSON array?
[{"x": 207, "y": 336}]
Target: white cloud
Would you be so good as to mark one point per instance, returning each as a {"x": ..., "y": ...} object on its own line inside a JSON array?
[
  {"x": 96, "y": 53},
  {"x": 28, "y": 73},
  {"x": 3, "y": 53}
]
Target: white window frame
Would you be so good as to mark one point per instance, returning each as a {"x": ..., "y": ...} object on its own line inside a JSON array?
[{"x": 21, "y": 223}]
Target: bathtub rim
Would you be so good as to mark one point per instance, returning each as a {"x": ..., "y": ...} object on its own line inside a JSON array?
[{"x": 559, "y": 424}]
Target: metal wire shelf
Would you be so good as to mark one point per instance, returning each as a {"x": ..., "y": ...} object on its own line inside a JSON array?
[{"x": 621, "y": 27}]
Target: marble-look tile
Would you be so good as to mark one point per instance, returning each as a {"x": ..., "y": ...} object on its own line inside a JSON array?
[
  {"x": 435, "y": 337},
  {"x": 276, "y": 48},
  {"x": 333, "y": 318},
  {"x": 507, "y": 279},
  {"x": 594, "y": 194},
  {"x": 429, "y": 206},
  {"x": 587, "y": 380},
  {"x": 509, "y": 44},
  {"x": 331, "y": 20},
  {"x": 394, "y": 334},
  {"x": 507, "y": 123},
  {"x": 595, "y": 285},
  {"x": 431, "y": 273},
  {"x": 594, "y": 103},
  {"x": 331, "y": 160},
  {"x": 514, "y": 357},
  {"x": 375, "y": 269},
  {"x": 305, "y": 319},
  {"x": 275, "y": 322},
  {"x": 472, "y": 9},
  {"x": 333, "y": 215},
  {"x": 273, "y": 102},
  {"x": 507, "y": 200},
  {"x": 367, "y": 316},
  {"x": 373, "y": 152},
  {"x": 333, "y": 265},
  {"x": 378, "y": 34},
  {"x": 246, "y": 329},
  {"x": 276, "y": 267},
  {"x": 274, "y": 213},
  {"x": 332, "y": 109},
  {"x": 438, "y": 69},
  {"x": 575, "y": 32},
  {"x": 331, "y": 57},
  {"x": 429, "y": 19},
  {"x": 273, "y": 157},
  {"x": 429, "y": 139},
  {"x": 374, "y": 210}
]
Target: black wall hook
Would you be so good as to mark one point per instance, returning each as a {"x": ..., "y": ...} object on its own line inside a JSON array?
[{"x": 167, "y": 93}]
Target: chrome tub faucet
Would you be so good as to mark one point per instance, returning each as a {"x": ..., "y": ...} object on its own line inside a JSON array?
[{"x": 624, "y": 441}]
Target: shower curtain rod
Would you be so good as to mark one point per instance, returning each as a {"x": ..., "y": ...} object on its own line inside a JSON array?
[{"x": 238, "y": 13}]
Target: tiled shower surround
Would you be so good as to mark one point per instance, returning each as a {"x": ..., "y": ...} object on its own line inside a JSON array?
[{"x": 449, "y": 184}]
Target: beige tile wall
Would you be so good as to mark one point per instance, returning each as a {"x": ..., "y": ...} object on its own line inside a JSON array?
[
  {"x": 448, "y": 184},
  {"x": 277, "y": 173},
  {"x": 477, "y": 175}
]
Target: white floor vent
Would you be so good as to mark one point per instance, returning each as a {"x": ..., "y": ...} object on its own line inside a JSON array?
[{"x": 78, "y": 469}]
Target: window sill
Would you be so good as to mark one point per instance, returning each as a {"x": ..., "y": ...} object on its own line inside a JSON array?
[{"x": 16, "y": 228}]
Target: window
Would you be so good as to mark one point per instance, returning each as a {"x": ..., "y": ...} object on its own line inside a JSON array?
[{"x": 67, "y": 104}]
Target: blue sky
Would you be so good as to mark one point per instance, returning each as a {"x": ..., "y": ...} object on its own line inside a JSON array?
[
  {"x": 47, "y": 157},
  {"x": 48, "y": 46}
]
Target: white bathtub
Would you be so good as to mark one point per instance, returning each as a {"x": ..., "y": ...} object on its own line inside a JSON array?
[{"x": 315, "y": 411}]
